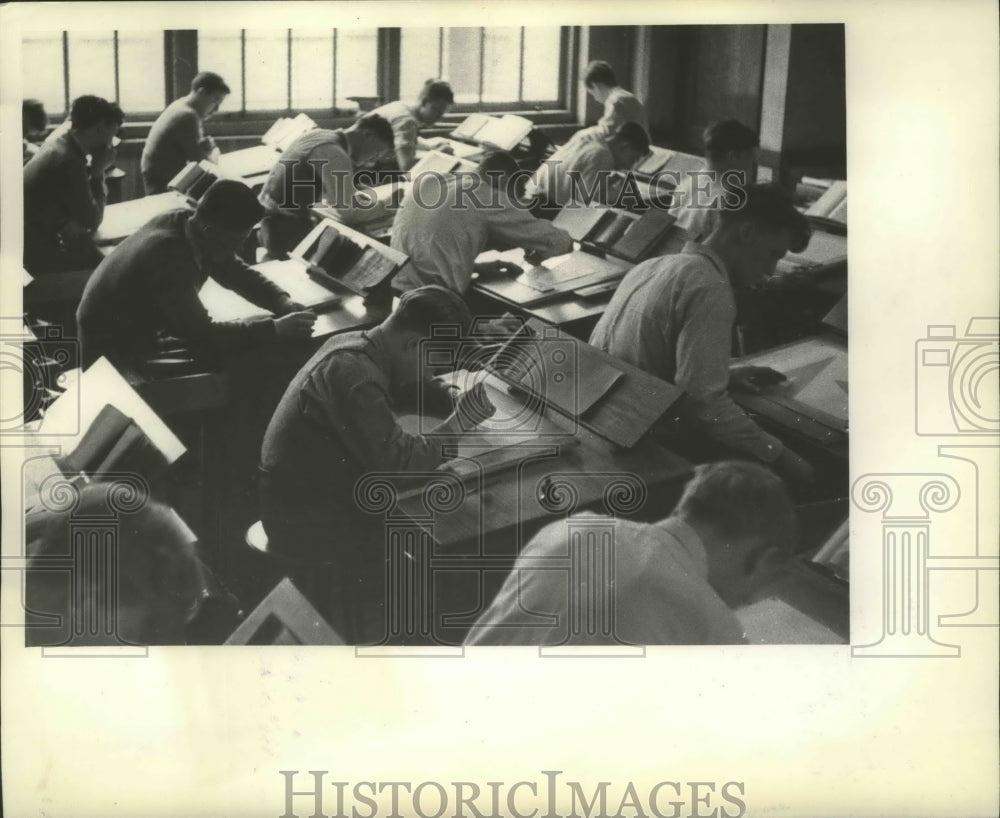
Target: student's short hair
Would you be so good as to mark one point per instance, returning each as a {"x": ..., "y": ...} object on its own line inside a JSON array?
[
  {"x": 158, "y": 575},
  {"x": 600, "y": 72},
  {"x": 89, "y": 110},
  {"x": 33, "y": 114},
  {"x": 435, "y": 90},
  {"x": 634, "y": 135},
  {"x": 230, "y": 204},
  {"x": 377, "y": 127},
  {"x": 728, "y": 136},
  {"x": 424, "y": 308},
  {"x": 770, "y": 207},
  {"x": 210, "y": 82},
  {"x": 740, "y": 500}
]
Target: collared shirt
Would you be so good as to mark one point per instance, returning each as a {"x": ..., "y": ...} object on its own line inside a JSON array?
[
  {"x": 321, "y": 168},
  {"x": 443, "y": 225},
  {"x": 573, "y": 172},
  {"x": 658, "y": 593},
  {"x": 405, "y": 130},
  {"x": 696, "y": 204},
  {"x": 673, "y": 316},
  {"x": 176, "y": 138},
  {"x": 620, "y": 107},
  {"x": 149, "y": 287},
  {"x": 334, "y": 424},
  {"x": 59, "y": 190}
]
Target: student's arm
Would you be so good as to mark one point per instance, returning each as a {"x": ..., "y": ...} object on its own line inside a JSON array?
[
  {"x": 176, "y": 297},
  {"x": 405, "y": 142},
  {"x": 707, "y": 313},
  {"x": 512, "y": 226},
  {"x": 86, "y": 194},
  {"x": 189, "y": 138},
  {"x": 234, "y": 274}
]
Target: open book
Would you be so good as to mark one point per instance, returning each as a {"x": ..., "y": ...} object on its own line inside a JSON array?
[
  {"x": 442, "y": 163},
  {"x": 629, "y": 236},
  {"x": 504, "y": 132},
  {"x": 114, "y": 442},
  {"x": 286, "y": 130},
  {"x": 338, "y": 256},
  {"x": 831, "y": 205},
  {"x": 194, "y": 179}
]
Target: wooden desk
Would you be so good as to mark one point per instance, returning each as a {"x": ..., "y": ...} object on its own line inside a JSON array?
[
  {"x": 249, "y": 163},
  {"x": 461, "y": 528},
  {"x": 125, "y": 218},
  {"x": 350, "y": 313}
]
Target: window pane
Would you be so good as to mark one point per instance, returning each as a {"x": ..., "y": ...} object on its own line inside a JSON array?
[
  {"x": 312, "y": 68},
  {"x": 42, "y": 71},
  {"x": 92, "y": 64},
  {"x": 541, "y": 64},
  {"x": 418, "y": 60},
  {"x": 267, "y": 70},
  {"x": 501, "y": 58},
  {"x": 357, "y": 64},
  {"x": 219, "y": 51},
  {"x": 461, "y": 60},
  {"x": 140, "y": 71}
]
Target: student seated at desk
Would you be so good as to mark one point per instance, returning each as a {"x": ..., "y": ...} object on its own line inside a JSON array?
[
  {"x": 34, "y": 121},
  {"x": 436, "y": 97},
  {"x": 178, "y": 137},
  {"x": 579, "y": 171},
  {"x": 445, "y": 222},
  {"x": 620, "y": 106},
  {"x": 673, "y": 317},
  {"x": 159, "y": 581},
  {"x": 64, "y": 197},
  {"x": 317, "y": 167},
  {"x": 675, "y": 582},
  {"x": 336, "y": 423},
  {"x": 731, "y": 152},
  {"x": 148, "y": 288}
]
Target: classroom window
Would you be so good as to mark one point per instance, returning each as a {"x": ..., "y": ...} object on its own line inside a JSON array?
[
  {"x": 485, "y": 66},
  {"x": 60, "y": 66},
  {"x": 292, "y": 69}
]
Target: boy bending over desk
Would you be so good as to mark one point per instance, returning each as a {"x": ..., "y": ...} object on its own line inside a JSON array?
[
  {"x": 143, "y": 298},
  {"x": 336, "y": 423},
  {"x": 675, "y": 582},
  {"x": 673, "y": 317}
]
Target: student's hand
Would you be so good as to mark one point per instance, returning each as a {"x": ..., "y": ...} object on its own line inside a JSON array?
[
  {"x": 794, "y": 470},
  {"x": 473, "y": 407},
  {"x": 534, "y": 257},
  {"x": 753, "y": 378},
  {"x": 101, "y": 159},
  {"x": 444, "y": 147},
  {"x": 289, "y": 306},
  {"x": 295, "y": 326}
]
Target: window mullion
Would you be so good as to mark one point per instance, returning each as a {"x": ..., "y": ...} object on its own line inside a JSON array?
[
  {"x": 482, "y": 60},
  {"x": 65, "y": 44},
  {"x": 243, "y": 70},
  {"x": 118, "y": 97},
  {"x": 288, "y": 98}
]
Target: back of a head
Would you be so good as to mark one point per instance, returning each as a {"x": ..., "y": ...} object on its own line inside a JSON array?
[
  {"x": 728, "y": 136},
  {"x": 635, "y": 136},
  {"x": 771, "y": 208},
  {"x": 158, "y": 580},
  {"x": 742, "y": 502},
  {"x": 88, "y": 111},
  {"x": 210, "y": 83},
  {"x": 33, "y": 115},
  {"x": 376, "y": 126},
  {"x": 436, "y": 90},
  {"x": 600, "y": 73},
  {"x": 423, "y": 309},
  {"x": 230, "y": 204}
]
